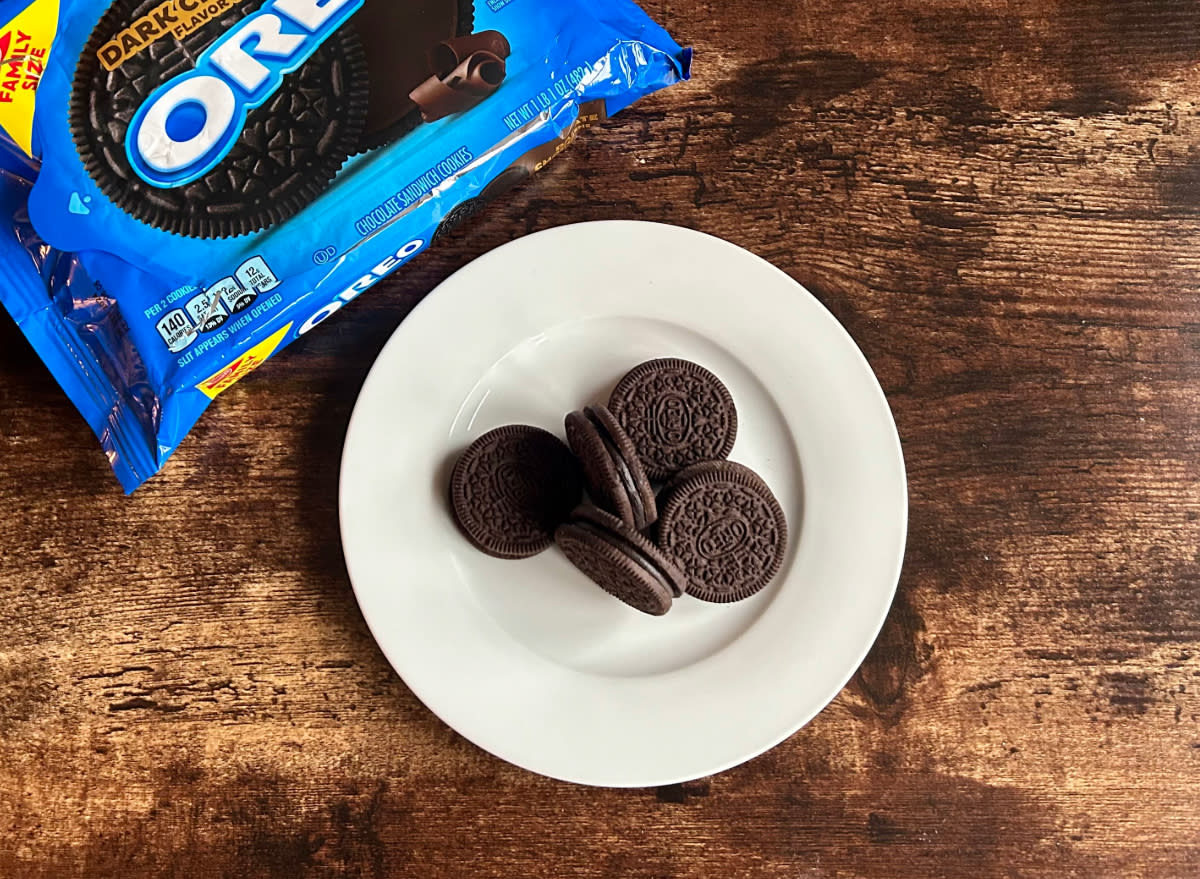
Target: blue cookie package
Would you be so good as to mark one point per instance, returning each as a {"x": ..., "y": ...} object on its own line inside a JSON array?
[{"x": 190, "y": 185}]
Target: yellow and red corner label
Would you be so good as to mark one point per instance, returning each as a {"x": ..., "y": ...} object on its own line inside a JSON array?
[
  {"x": 24, "y": 49},
  {"x": 244, "y": 365}
]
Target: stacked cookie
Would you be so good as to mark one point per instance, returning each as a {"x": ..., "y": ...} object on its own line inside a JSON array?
[{"x": 713, "y": 530}]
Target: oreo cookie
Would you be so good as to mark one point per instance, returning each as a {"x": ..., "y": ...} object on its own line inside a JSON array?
[
  {"x": 615, "y": 478},
  {"x": 168, "y": 138},
  {"x": 464, "y": 211},
  {"x": 677, "y": 413},
  {"x": 512, "y": 488},
  {"x": 724, "y": 526},
  {"x": 620, "y": 560}
]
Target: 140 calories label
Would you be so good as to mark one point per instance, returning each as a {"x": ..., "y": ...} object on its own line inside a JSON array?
[{"x": 186, "y": 314}]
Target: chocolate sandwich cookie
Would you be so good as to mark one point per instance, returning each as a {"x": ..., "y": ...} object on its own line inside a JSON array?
[
  {"x": 621, "y": 561},
  {"x": 512, "y": 488},
  {"x": 677, "y": 413},
  {"x": 221, "y": 143},
  {"x": 615, "y": 477},
  {"x": 724, "y": 526},
  {"x": 465, "y": 210}
]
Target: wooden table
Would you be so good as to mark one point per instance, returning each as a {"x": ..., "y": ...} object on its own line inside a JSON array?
[{"x": 1001, "y": 202}]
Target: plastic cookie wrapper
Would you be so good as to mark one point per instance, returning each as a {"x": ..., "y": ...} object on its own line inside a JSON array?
[{"x": 190, "y": 185}]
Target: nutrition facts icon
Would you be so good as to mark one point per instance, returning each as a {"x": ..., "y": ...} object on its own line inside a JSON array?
[
  {"x": 176, "y": 330},
  {"x": 255, "y": 274},
  {"x": 234, "y": 296},
  {"x": 210, "y": 308},
  {"x": 207, "y": 311}
]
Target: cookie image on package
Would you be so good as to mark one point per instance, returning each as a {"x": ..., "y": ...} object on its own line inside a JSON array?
[
  {"x": 217, "y": 120},
  {"x": 512, "y": 488},
  {"x": 621, "y": 561},
  {"x": 464, "y": 211},
  {"x": 615, "y": 478},
  {"x": 724, "y": 526},
  {"x": 677, "y": 413},
  {"x": 520, "y": 170}
]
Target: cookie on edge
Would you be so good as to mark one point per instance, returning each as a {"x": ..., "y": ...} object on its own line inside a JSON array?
[
  {"x": 512, "y": 488},
  {"x": 612, "y": 467},
  {"x": 677, "y": 413},
  {"x": 621, "y": 561},
  {"x": 723, "y": 525}
]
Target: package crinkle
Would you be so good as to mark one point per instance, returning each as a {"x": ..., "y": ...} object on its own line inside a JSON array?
[{"x": 190, "y": 185}]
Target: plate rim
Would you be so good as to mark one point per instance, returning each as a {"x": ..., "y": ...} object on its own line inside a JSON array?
[{"x": 897, "y": 552}]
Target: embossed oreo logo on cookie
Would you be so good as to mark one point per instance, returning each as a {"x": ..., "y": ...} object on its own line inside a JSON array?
[
  {"x": 677, "y": 413},
  {"x": 726, "y": 529},
  {"x": 512, "y": 488},
  {"x": 188, "y": 125},
  {"x": 670, "y": 420},
  {"x": 722, "y": 537},
  {"x": 515, "y": 484}
]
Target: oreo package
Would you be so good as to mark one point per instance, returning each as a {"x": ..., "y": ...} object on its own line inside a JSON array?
[{"x": 190, "y": 185}]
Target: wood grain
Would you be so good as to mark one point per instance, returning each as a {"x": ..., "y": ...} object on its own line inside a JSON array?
[{"x": 1001, "y": 202}]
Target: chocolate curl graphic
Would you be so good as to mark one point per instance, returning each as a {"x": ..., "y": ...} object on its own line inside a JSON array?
[
  {"x": 475, "y": 78},
  {"x": 447, "y": 55}
]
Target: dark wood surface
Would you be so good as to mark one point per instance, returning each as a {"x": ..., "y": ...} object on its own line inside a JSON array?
[{"x": 1000, "y": 200}]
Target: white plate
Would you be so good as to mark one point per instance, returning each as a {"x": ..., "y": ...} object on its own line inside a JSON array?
[{"x": 530, "y": 660}]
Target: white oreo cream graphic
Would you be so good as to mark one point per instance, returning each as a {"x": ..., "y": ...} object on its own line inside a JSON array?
[{"x": 189, "y": 124}]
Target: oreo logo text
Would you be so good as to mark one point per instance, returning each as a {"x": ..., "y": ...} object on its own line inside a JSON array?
[
  {"x": 516, "y": 484},
  {"x": 670, "y": 419},
  {"x": 188, "y": 125},
  {"x": 389, "y": 265},
  {"x": 722, "y": 537}
]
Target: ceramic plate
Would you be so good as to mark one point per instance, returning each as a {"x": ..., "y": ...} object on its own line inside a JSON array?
[{"x": 530, "y": 660}]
